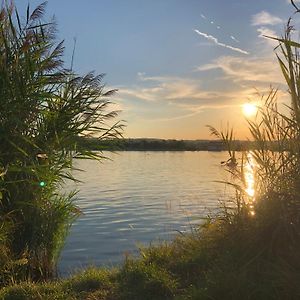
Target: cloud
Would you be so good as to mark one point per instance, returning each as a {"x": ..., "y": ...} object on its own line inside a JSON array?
[
  {"x": 215, "y": 41},
  {"x": 169, "y": 102},
  {"x": 263, "y": 71},
  {"x": 234, "y": 39},
  {"x": 193, "y": 110},
  {"x": 184, "y": 97},
  {"x": 265, "y": 18},
  {"x": 169, "y": 89},
  {"x": 265, "y": 32},
  {"x": 231, "y": 100}
]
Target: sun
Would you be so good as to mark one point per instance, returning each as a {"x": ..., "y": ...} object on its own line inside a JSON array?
[{"x": 249, "y": 109}]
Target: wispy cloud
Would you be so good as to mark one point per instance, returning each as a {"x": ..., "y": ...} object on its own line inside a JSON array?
[
  {"x": 215, "y": 41},
  {"x": 217, "y": 26},
  {"x": 265, "y": 18},
  {"x": 189, "y": 94},
  {"x": 193, "y": 110},
  {"x": 265, "y": 32},
  {"x": 261, "y": 71},
  {"x": 169, "y": 89},
  {"x": 157, "y": 101},
  {"x": 234, "y": 39}
]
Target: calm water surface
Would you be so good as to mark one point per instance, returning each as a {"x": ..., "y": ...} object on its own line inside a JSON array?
[{"x": 138, "y": 198}]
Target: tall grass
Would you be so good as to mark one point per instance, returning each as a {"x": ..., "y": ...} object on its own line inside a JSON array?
[
  {"x": 44, "y": 107},
  {"x": 268, "y": 223}
]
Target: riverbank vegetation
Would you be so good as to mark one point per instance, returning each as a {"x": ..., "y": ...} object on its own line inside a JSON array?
[
  {"x": 148, "y": 144},
  {"x": 250, "y": 250},
  {"x": 226, "y": 259},
  {"x": 44, "y": 107}
]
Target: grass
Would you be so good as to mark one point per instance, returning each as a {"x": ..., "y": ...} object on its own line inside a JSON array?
[{"x": 219, "y": 261}]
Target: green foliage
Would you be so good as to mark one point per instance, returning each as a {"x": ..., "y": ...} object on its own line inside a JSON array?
[
  {"x": 44, "y": 108},
  {"x": 93, "y": 283},
  {"x": 29, "y": 291},
  {"x": 217, "y": 262},
  {"x": 150, "y": 280}
]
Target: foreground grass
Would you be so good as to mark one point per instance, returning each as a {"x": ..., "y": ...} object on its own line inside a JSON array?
[{"x": 223, "y": 260}]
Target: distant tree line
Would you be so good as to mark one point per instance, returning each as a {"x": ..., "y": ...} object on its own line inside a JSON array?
[{"x": 148, "y": 144}]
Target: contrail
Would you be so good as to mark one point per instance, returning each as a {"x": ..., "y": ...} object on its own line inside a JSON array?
[
  {"x": 234, "y": 39},
  {"x": 219, "y": 27},
  {"x": 215, "y": 41}
]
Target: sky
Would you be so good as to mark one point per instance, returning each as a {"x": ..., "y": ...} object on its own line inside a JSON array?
[{"x": 178, "y": 65}]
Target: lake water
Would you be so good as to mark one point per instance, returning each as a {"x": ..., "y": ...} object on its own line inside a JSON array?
[{"x": 137, "y": 198}]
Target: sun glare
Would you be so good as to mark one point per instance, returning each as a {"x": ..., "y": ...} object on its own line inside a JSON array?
[{"x": 249, "y": 109}]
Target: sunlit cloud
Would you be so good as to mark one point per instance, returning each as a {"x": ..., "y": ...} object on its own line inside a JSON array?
[
  {"x": 265, "y": 18},
  {"x": 193, "y": 110},
  {"x": 167, "y": 89},
  {"x": 257, "y": 70},
  {"x": 180, "y": 116},
  {"x": 186, "y": 94},
  {"x": 215, "y": 41},
  {"x": 265, "y": 33},
  {"x": 178, "y": 102},
  {"x": 232, "y": 100},
  {"x": 117, "y": 106}
]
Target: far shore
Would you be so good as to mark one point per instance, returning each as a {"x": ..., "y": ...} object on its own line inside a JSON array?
[{"x": 152, "y": 144}]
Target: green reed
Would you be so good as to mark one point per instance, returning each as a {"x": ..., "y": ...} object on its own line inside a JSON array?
[
  {"x": 268, "y": 223},
  {"x": 44, "y": 108}
]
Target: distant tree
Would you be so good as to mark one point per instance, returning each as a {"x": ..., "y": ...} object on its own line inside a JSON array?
[{"x": 44, "y": 108}]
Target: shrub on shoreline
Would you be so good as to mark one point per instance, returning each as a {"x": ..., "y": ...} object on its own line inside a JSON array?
[{"x": 44, "y": 107}]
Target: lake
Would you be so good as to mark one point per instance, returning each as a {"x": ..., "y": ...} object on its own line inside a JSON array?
[{"x": 137, "y": 198}]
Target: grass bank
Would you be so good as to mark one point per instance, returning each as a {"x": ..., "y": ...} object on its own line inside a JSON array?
[{"x": 227, "y": 258}]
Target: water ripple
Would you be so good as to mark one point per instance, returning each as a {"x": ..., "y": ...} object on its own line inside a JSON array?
[{"x": 139, "y": 197}]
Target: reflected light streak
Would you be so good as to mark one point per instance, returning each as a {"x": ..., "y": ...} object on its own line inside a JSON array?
[{"x": 250, "y": 181}]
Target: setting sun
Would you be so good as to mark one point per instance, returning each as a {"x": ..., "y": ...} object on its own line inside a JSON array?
[{"x": 249, "y": 109}]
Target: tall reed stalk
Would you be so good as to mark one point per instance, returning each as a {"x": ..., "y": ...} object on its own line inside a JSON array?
[
  {"x": 44, "y": 108},
  {"x": 269, "y": 222}
]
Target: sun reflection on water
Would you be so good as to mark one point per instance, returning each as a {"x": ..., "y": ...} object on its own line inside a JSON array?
[{"x": 250, "y": 181}]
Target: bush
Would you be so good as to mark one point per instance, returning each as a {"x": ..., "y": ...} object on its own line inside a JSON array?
[
  {"x": 139, "y": 278},
  {"x": 44, "y": 108}
]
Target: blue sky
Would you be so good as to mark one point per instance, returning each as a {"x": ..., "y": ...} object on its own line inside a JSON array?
[{"x": 178, "y": 64}]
